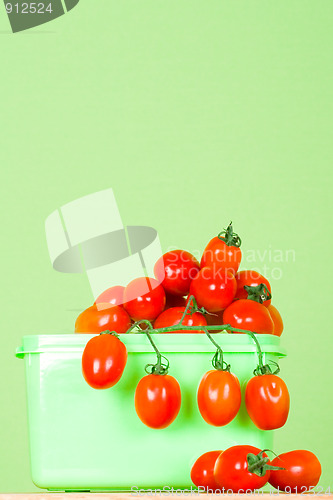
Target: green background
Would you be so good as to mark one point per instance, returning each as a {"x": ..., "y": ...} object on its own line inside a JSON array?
[{"x": 195, "y": 113}]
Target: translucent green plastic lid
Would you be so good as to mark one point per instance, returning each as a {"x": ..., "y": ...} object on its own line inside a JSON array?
[{"x": 138, "y": 342}]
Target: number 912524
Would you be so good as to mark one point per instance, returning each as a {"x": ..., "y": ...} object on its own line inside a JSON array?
[{"x": 29, "y": 8}]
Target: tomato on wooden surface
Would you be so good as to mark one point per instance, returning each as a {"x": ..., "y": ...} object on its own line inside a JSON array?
[
  {"x": 213, "y": 290},
  {"x": 157, "y": 400},
  {"x": 267, "y": 401},
  {"x": 103, "y": 361},
  {"x": 249, "y": 315},
  {"x": 113, "y": 295},
  {"x": 250, "y": 278},
  {"x": 232, "y": 469},
  {"x": 277, "y": 320},
  {"x": 223, "y": 252},
  {"x": 144, "y": 299},
  {"x": 302, "y": 471},
  {"x": 97, "y": 318},
  {"x": 219, "y": 397},
  {"x": 175, "y": 270},
  {"x": 172, "y": 316},
  {"x": 202, "y": 472}
]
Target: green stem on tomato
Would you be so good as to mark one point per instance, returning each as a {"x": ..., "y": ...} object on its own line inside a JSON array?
[
  {"x": 217, "y": 361},
  {"x": 261, "y": 369},
  {"x": 158, "y": 368},
  {"x": 258, "y": 293},
  {"x": 229, "y": 237}
]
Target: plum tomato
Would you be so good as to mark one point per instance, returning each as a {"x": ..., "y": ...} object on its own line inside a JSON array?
[
  {"x": 213, "y": 290},
  {"x": 97, "y": 318},
  {"x": 223, "y": 251},
  {"x": 157, "y": 400},
  {"x": 277, "y": 320},
  {"x": 302, "y": 471},
  {"x": 267, "y": 401},
  {"x": 202, "y": 472},
  {"x": 103, "y": 361},
  {"x": 144, "y": 299},
  {"x": 172, "y": 316},
  {"x": 232, "y": 469},
  {"x": 175, "y": 270},
  {"x": 113, "y": 295},
  {"x": 219, "y": 397},
  {"x": 249, "y": 315}
]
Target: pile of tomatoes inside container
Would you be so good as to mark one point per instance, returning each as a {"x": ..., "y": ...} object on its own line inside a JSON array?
[
  {"x": 184, "y": 297},
  {"x": 223, "y": 294}
]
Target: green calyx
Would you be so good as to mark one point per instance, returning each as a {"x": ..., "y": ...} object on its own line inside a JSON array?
[
  {"x": 258, "y": 464},
  {"x": 266, "y": 369},
  {"x": 219, "y": 363},
  {"x": 107, "y": 332},
  {"x": 158, "y": 368},
  {"x": 229, "y": 237},
  {"x": 258, "y": 293}
]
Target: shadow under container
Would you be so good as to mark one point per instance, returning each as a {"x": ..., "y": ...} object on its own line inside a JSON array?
[{"x": 86, "y": 439}]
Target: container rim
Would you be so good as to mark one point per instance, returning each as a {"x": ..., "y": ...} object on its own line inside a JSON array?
[{"x": 166, "y": 342}]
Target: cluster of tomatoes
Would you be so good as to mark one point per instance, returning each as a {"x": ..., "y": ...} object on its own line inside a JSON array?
[
  {"x": 223, "y": 295},
  {"x": 244, "y": 468},
  {"x": 213, "y": 287},
  {"x": 191, "y": 297}
]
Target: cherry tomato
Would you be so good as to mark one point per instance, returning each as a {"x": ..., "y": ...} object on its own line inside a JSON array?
[
  {"x": 144, "y": 299},
  {"x": 172, "y": 316},
  {"x": 202, "y": 472},
  {"x": 302, "y": 471},
  {"x": 96, "y": 319},
  {"x": 175, "y": 270},
  {"x": 250, "y": 278},
  {"x": 174, "y": 301},
  {"x": 113, "y": 295},
  {"x": 267, "y": 401},
  {"x": 231, "y": 470},
  {"x": 223, "y": 252},
  {"x": 249, "y": 315},
  {"x": 213, "y": 290},
  {"x": 277, "y": 320},
  {"x": 219, "y": 397},
  {"x": 103, "y": 361},
  {"x": 157, "y": 400}
]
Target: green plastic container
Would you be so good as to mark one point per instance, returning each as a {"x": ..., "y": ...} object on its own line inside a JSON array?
[{"x": 87, "y": 439}]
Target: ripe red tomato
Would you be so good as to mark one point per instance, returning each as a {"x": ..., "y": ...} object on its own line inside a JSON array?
[
  {"x": 277, "y": 320},
  {"x": 113, "y": 295},
  {"x": 267, "y": 401},
  {"x": 213, "y": 290},
  {"x": 175, "y": 270},
  {"x": 157, "y": 400},
  {"x": 96, "y": 319},
  {"x": 103, "y": 361},
  {"x": 249, "y": 315},
  {"x": 219, "y": 397},
  {"x": 231, "y": 470},
  {"x": 144, "y": 299},
  {"x": 172, "y": 316},
  {"x": 223, "y": 252},
  {"x": 302, "y": 471},
  {"x": 250, "y": 278},
  {"x": 202, "y": 472}
]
